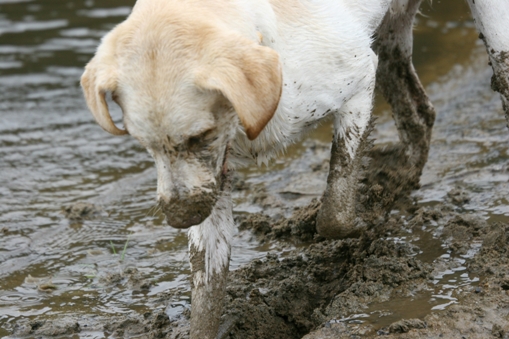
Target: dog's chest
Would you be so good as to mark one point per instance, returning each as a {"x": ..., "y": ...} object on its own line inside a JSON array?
[{"x": 325, "y": 54}]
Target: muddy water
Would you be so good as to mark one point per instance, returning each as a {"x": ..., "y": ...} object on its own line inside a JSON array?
[{"x": 52, "y": 155}]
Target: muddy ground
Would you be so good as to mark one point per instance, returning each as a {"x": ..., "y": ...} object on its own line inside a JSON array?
[
  {"x": 329, "y": 287},
  {"x": 435, "y": 269},
  {"x": 344, "y": 288}
]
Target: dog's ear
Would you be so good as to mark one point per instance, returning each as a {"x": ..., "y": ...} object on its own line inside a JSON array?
[
  {"x": 98, "y": 79},
  {"x": 249, "y": 76}
]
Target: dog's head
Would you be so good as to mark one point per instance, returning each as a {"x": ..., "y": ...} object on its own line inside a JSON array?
[{"x": 185, "y": 85}]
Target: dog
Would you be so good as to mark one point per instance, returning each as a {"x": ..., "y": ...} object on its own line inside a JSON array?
[{"x": 210, "y": 85}]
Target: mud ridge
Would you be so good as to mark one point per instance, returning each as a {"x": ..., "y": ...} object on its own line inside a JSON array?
[{"x": 320, "y": 286}]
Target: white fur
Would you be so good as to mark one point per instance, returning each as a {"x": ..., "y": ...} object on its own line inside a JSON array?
[
  {"x": 214, "y": 236},
  {"x": 492, "y": 19},
  {"x": 325, "y": 62}
]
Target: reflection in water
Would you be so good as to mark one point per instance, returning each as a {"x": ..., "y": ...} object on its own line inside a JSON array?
[{"x": 53, "y": 154}]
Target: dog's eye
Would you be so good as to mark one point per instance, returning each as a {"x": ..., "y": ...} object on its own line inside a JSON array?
[
  {"x": 197, "y": 141},
  {"x": 194, "y": 142}
]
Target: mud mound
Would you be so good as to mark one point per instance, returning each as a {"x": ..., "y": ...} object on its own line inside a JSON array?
[
  {"x": 322, "y": 287},
  {"x": 326, "y": 289},
  {"x": 288, "y": 297},
  {"x": 300, "y": 227},
  {"x": 146, "y": 326},
  {"x": 478, "y": 312}
]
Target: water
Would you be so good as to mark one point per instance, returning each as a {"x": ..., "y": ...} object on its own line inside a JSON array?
[{"x": 52, "y": 154}]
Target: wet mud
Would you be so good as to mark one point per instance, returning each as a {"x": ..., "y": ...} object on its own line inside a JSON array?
[{"x": 337, "y": 289}]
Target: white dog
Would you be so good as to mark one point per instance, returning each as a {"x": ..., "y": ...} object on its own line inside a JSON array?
[{"x": 206, "y": 85}]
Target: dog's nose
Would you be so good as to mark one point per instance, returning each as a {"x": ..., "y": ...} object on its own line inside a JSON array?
[{"x": 189, "y": 211}]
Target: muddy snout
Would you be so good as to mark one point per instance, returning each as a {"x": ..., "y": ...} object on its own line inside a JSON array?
[{"x": 184, "y": 212}]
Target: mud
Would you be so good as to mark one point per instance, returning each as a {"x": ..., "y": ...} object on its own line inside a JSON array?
[
  {"x": 300, "y": 228},
  {"x": 81, "y": 211},
  {"x": 327, "y": 289},
  {"x": 327, "y": 283}
]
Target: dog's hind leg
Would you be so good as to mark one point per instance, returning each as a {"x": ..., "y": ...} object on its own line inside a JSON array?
[
  {"x": 352, "y": 125},
  {"x": 398, "y": 82},
  {"x": 492, "y": 22},
  {"x": 209, "y": 252}
]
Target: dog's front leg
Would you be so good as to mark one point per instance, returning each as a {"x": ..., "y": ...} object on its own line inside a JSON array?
[
  {"x": 352, "y": 125},
  {"x": 492, "y": 22},
  {"x": 209, "y": 252}
]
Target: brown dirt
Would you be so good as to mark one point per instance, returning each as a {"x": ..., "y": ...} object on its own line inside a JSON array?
[{"x": 318, "y": 285}]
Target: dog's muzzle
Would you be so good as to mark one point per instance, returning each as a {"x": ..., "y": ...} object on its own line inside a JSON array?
[{"x": 193, "y": 210}]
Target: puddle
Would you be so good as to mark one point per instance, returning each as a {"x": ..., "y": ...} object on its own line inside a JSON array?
[
  {"x": 53, "y": 155},
  {"x": 449, "y": 280}
]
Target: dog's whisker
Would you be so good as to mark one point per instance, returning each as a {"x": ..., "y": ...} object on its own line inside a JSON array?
[{"x": 153, "y": 210}]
